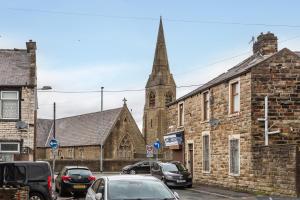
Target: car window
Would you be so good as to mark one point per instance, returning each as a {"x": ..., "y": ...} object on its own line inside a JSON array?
[
  {"x": 96, "y": 185},
  {"x": 101, "y": 187},
  {"x": 82, "y": 172},
  {"x": 169, "y": 167},
  {"x": 37, "y": 172},
  {"x": 15, "y": 173}
]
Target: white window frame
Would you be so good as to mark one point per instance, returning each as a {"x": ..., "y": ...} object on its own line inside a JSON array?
[
  {"x": 203, "y": 107},
  {"x": 18, "y": 104},
  {"x": 206, "y": 133},
  {"x": 234, "y": 137},
  {"x": 18, "y": 151},
  {"x": 187, "y": 155},
  {"x": 233, "y": 81},
  {"x": 181, "y": 103}
]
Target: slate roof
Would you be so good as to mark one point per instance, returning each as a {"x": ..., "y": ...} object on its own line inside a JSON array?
[
  {"x": 80, "y": 130},
  {"x": 15, "y": 68},
  {"x": 240, "y": 68},
  {"x": 298, "y": 53}
]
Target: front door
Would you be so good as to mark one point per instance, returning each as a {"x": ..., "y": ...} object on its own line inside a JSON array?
[{"x": 191, "y": 158}]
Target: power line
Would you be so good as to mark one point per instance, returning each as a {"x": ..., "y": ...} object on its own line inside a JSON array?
[{"x": 152, "y": 18}]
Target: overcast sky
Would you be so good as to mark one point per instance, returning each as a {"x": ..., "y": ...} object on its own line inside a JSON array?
[{"x": 83, "y": 45}]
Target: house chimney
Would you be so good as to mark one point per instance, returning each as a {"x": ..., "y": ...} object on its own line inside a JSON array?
[
  {"x": 31, "y": 46},
  {"x": 266, "y": 44}
]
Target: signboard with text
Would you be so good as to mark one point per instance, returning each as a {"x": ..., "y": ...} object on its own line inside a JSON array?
[{"x": 149, "y": 151}]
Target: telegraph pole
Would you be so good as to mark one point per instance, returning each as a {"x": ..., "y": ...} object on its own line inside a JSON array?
[
  {"x": 102, "y": 98},
  {"x": 101, "y": 146}
]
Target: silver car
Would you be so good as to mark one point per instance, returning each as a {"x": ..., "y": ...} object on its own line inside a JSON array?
[{"x": 122, "y": 187}]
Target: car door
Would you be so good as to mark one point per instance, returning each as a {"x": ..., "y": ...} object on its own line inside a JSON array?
[
  {"x": 145, "y": 167},
  {"x": 97, "y": 187},
  {"x": 155, "y": 170}
]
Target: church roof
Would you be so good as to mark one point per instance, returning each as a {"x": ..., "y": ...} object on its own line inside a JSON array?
[
  {"x": 15, "y": 68},
  {"x": 80, "y": 130},
  {"x": 235, "y": 71},
  {"x": 160, "y": 74}
]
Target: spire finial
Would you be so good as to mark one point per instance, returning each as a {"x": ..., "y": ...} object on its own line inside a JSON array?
[{"x": 124, "y": 100}]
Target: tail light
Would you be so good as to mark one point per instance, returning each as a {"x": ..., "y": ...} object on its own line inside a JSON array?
[
  {"x": 92, "y": 178},
  {"x": 49, "y": 182},
  {"x": 66, "y": 178}
]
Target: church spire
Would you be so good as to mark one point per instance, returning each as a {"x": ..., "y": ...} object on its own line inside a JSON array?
[{"x": 160, "y": 57}]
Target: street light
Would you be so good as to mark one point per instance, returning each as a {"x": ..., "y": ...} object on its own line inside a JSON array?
[{"x": 35, "y": 118}]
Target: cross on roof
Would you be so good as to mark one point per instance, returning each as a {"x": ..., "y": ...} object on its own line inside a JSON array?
[{"x": 124, "y": 100}]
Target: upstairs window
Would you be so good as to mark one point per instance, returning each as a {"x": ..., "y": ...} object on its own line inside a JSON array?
[
  {"x": 180, "y": 114},
  {"x": 205, "y": 106},
  {"x": 168, "y": 98},
  {"x": 151, "y": 99},
  {"x": 9, "y": 102},
  {"x": 234, "y": 97}
]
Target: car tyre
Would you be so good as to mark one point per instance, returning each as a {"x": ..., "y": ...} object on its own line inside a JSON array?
[
  {"x": 132, "y": 171},
  {"x": 36, "y": 196},
  {"x": 190, "y": 186}
]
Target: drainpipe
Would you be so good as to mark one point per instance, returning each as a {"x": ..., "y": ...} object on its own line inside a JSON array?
[{"x": 101, "y": 158}]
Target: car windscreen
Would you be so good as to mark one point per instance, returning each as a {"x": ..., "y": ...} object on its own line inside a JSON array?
[
  {"x": 138, "y": 189},
  {"x": 169, "y": 167},
  {"x": 180, "y": 167},
  {"x": 81, "y": 172}
]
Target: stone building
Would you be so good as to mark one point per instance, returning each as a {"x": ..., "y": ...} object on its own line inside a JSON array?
[
  {"x": 17, "y": 103},
  {"x": 224, "y": 142},
  {"x": 83, "y": 136},
  {"x": 160, "y": 90}
]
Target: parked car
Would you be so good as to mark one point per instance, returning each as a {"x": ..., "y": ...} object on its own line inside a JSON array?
[
  {"x": 142, "y": 167},
  {"x": 129, "y": 187},
  {"x": 73, "y": 179},
  {"x": 36, "y": 175},
  {"x": 172, "y": 174}
]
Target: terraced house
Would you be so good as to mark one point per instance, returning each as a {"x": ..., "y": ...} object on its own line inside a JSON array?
[
  {"x": 17, "y": 103},
  {"x": 223, "y": 123}
]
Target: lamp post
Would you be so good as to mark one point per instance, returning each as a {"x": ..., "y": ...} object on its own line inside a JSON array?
[{"x": 35, "y": 118}]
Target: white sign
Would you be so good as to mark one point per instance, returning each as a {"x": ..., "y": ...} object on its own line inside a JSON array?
[
  {"x": 173, "y": 139},
  {"x": 149, "y": 151}
]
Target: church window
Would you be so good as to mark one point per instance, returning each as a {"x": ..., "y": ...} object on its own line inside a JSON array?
[
  {"x": 151, "y": 99},
  {"x": 180, "y": 114},
  {"x": 125, "y": 148},
  {"x": 168, "y": 98},
  {"x": 151, "y": 123}
]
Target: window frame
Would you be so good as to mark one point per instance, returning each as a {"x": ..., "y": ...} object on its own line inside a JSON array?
[
  {"x": 234, "y": 137},
  {"x": 10, "y": 99},
  {"x": 152, "y": 99},
  {"x": 231, "y": 96},
  {"x": 204, "y": 108},
  {"x": 206, "y": 133},
  {"x": 181, "y": 114},
  {"x": 18, "y": 143}
]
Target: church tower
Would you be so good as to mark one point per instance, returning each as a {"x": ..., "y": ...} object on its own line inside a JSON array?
[{"x": 160, "y": 90}]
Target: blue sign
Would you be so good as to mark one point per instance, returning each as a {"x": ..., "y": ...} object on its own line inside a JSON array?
[
  {"x": 157, "y": 144},
  {"x": 53, "y": 143}
]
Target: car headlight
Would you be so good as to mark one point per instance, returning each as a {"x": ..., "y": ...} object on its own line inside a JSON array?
[{"x": 168, "y": 177}]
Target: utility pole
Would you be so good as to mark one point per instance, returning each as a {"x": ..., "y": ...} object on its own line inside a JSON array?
[
  {"x": 53, "y": 150},
  {"x": 102, "y": 98}
]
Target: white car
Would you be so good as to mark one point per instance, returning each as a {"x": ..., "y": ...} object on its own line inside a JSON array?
[{"x": 122, "y": 187}]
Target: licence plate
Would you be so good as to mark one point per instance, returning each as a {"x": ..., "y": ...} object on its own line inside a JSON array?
[
  {"x": 79, "y": 186},
  {"x": 180, "y": 181}
]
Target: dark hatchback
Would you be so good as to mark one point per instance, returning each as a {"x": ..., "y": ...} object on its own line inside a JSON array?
[
  {"x": 173, "y": 174},
  {"x": 36, "y": 175},
  {"x": 142, "y": 167},
  {"x": 73, "y": 179}
]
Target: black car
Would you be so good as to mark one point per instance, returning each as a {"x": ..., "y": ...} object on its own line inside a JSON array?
[
  {"x": 73, "y": 179},
  {"x": 36, "y": 175},
  {"x": 142, "y": 167},
  {"x": 172, "y": 174}
]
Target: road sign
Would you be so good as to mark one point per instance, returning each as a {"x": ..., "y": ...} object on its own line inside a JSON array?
[
  {"x": 53, "y": 144},
  {"x": 157, "y": 144},
  {"x": 149, "y": 151}
]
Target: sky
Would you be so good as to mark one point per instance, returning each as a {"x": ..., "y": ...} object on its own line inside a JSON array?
[{"x": 83, "y": 45}]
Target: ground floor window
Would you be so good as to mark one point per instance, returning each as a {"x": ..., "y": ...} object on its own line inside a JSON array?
[
  {"x": 205, "y": 152},
  {"x": 9, "y": 147},
  {"x": 234, "y": 155}
]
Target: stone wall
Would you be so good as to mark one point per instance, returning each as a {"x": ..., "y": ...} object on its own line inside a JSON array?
[
  {"x": 228, "y": 124},
  {"x": 8, "y": 130}
]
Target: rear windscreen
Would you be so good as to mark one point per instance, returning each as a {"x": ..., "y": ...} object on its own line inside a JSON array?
[{"x": 81, "y": 172}]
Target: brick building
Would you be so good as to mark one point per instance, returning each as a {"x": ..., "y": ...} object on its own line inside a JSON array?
[
  {"x": 224, "y": 141},
  {"x": 17, "y": 102},
  {"x": 82, "y": 137}
]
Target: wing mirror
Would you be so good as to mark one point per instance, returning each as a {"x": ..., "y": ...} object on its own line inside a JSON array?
[
  {"x": 176, "y": 195},
  {"x": 98, "y": 196}
]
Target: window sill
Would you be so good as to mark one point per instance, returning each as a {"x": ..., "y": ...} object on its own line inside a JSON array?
[
  {"x": 234, "y": 174},
  {"x": 204, "y": 121},
  {"x": 206, "y": 172},
  {"x": 234, "y": 114},
  {"x": 180, "y": 127}
]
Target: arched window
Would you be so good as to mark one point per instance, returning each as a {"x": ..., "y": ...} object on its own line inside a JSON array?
[
  {"x": 168, "y": 97},
  {"x": 125, "y": 149},
  {"x": 151, "y": 99}
]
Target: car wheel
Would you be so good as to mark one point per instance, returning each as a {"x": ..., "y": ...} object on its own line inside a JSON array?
[
  {"x": 132, "y": 171},
  {"x": 36, "y": 196}
]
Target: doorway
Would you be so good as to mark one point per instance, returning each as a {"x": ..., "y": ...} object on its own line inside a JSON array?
[{"x": 190, "y": 158}]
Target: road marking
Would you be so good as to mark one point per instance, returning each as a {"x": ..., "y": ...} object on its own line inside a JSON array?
[{"x": 212, "y": 193}]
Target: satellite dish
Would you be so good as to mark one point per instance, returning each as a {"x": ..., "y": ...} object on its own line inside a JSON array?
[
  {"x": 21, "y": 125},
  {"x": 214, "y": 122}
]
